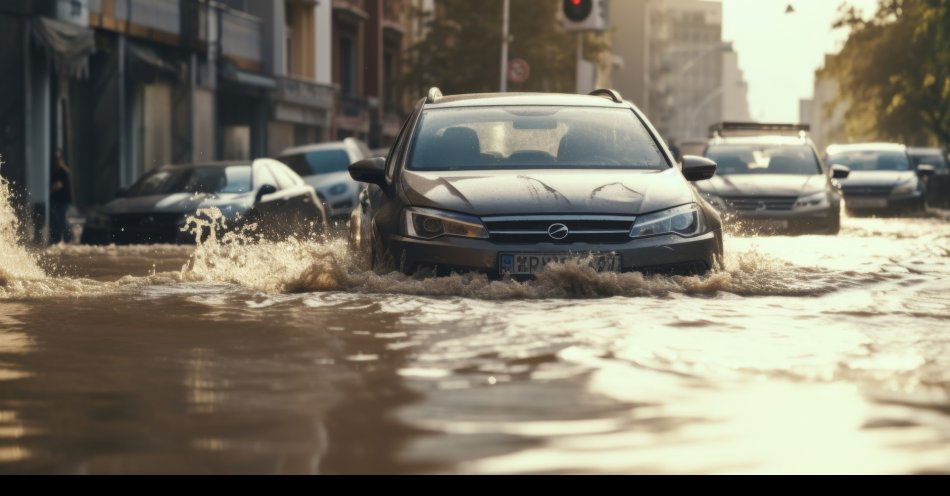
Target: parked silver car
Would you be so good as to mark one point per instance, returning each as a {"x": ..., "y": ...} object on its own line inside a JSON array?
[
  {"x": 771, "y": 178},
  {"x": 323, "y": 166}
]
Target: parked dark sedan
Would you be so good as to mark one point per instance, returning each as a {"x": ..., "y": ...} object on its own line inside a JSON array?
[
  {"x": 507, "y": 183},
  {"x": 155, "y": 208}
]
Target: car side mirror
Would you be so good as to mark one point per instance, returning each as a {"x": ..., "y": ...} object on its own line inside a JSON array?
[
  {"x": 925, "y": 170},
  {"x": 698, "y": 168},
  {"x": 839, "y": 171},
  {"x": 369, "y": 170},
  {"x": 264, "y": 190}
]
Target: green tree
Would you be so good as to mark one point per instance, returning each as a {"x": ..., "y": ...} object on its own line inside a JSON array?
[
  {"x": 462, "y": 49},
  {"x": 894, "y": 71}
]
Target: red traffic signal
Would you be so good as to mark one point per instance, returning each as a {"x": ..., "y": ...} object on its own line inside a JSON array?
[{"x": 578, "y": 10}]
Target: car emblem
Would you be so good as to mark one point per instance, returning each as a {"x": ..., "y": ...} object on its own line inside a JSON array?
[
  {"x": 761, "y": 206},
  {"x": 558, "y": 231}
]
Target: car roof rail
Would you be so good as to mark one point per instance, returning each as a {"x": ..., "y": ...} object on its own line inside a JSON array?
[
  {"x": 609, "y": 93},
  {"x": 434, "y": 95},
  {"x": 721, "y": 129}
]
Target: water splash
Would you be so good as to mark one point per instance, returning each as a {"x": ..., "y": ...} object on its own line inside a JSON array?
[
  {"x": 16, "y": 262},
  {"x": 297, "y": 266}
]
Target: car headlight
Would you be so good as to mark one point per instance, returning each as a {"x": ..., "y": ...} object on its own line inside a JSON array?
[
  {"x": 905, "y": 188},
  {"x": 337, "y": 189},
  {"x": 685, "y": 220},
  {"x": 819, "y": 199},
  {"x": 427, "y": 224}
]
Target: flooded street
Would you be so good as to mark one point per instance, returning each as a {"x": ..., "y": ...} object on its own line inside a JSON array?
[{"x": 808, "y": 354}]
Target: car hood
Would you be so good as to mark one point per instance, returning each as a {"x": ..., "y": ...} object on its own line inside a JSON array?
[
  {"x": 183, "y": 203},
  {"x": 547, "y": 191},
  {"x": 877, "y": 178},
  {"x": 763, "y": 184},
  {"x": 324, "y": 181}
]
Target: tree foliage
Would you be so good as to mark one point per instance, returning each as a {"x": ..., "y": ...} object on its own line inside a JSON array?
[
  {"x": 461, "y": 52},
  {"x": 894, "y": 71}
]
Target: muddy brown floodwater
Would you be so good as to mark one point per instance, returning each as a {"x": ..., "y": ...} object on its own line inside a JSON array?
[{"x": 807, "y": 354}]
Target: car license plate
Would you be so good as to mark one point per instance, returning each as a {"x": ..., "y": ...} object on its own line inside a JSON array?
[
  {"x": 532, "y": 263},
  {"x": 865, "y": 202}
]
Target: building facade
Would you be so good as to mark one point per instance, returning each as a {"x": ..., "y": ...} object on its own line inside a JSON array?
[
  {"x": 676, "y": 67},
  {"x": 369, "y": 38},
  {"x": 122, "y": 86},
  {"x": 824, "y": 112}
]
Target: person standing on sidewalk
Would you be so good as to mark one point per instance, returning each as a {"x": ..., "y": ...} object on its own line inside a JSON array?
[{"x": 60, "y": 198}]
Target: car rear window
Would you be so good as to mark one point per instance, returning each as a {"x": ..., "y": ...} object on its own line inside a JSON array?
[
  {"x": 318, "y": 162},
  {"x": 479, "y": 138}
]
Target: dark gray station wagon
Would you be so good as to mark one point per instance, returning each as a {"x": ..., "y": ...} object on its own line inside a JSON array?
[{"x": 507, "y": 183}]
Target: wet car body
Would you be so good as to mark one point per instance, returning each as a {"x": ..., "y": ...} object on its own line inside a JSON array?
[
  {"x": 513, "y": 214},
  {"x": 883, "y": 178},
  {"x": 773, "y": 183},
  {"x": 156, "y": 208},
  {"x": 323, "y": 166},
  {"x": 938, "y": 184}
]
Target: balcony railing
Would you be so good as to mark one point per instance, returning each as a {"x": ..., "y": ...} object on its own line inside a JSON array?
[
  {"x": 305, "y": 93},
  {"x": 160, "y": 15},
  {"x": 241, "y": 36}
]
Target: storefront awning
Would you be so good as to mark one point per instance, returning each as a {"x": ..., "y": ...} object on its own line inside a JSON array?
[{"x": 69, "y": 45}]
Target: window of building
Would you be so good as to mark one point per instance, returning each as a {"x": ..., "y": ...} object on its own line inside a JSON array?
[{"x": 348, "y": 66}]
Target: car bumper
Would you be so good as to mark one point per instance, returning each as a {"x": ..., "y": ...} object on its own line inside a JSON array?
[
  {"x": 883, "y": 203},
  {"x": 659, "y": 254},
  {"x": 801, "y": 220}
]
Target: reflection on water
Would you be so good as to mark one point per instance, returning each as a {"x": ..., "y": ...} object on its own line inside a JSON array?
[{"x": 806, "y": 354}]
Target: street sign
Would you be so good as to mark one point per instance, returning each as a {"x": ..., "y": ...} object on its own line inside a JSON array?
[{"x": 518, "y": 71}]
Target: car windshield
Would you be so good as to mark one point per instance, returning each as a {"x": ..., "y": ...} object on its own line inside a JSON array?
[
  {"x": 871, "y": 160},
  {"x": 318, "y": 162},
  {"x": 483, "y": 138},
  {"x": 215, "y": 180},
  {"x": 764, "y": 159}
]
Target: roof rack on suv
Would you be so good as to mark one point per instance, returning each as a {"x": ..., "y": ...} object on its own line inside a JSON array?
[
  {"x": 435, "y": 94},
  {"x": 751, "y": 128},
  {"x": 609, "y": 93}
]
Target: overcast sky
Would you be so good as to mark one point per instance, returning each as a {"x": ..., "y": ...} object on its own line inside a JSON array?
[{"x": 779, "y": 52}]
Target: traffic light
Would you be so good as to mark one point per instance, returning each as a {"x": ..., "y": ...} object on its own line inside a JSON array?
[{"x": 586, "y": 15}]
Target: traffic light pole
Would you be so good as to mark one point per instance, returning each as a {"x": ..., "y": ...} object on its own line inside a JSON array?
[
  {"x": 504, "y": 46},
  {"x": 579, "y": 73}
]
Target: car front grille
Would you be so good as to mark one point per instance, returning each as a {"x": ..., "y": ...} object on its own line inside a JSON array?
[
  {"x": 580, "y": 228},
  {"x": 752, "y": 203},
  {"x": 867, "y": 190}
]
